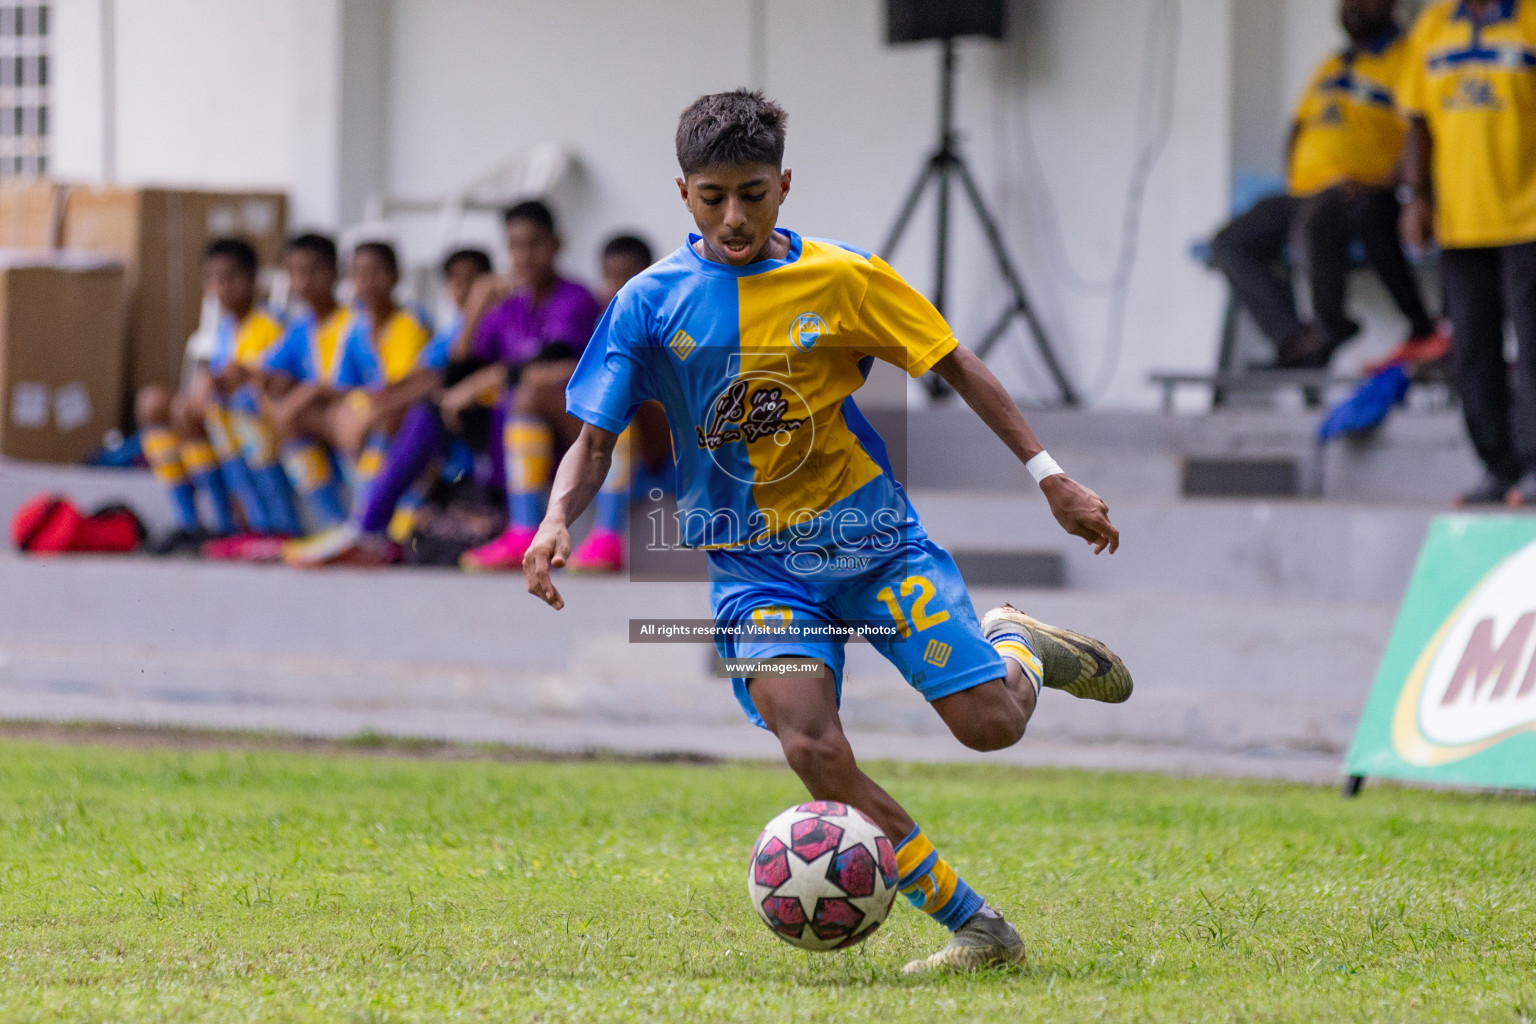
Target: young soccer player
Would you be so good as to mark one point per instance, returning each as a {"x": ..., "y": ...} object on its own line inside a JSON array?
[
  {"x": 370, "y": 536},
  {"x": 338, "y": 408},
  {"x": 528, "y": 333},
  {"x": 754, "y": 339},
  {"x": 193, "y": 441},
  {"x": 299, "y": 369}
]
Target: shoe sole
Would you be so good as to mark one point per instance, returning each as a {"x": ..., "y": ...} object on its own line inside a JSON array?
[
  {"x": 968, "y": 958},
  {"x": 594, "y": 568},
  {"x": 488, "y": 568},
  {"x": 1101, "y": 676}
]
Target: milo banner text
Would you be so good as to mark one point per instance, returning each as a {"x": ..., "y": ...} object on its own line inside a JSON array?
[{"x": 1455, "y": 698}]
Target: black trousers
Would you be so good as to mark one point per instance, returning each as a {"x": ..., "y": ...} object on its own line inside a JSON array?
[
  {"x": 1319, "y": 230},
  {"x": 1484, "y": 288}
]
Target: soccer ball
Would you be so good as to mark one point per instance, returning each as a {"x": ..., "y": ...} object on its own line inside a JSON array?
[{"x": 822, "y": 876}]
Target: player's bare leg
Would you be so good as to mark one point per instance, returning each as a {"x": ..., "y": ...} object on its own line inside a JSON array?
[
  {"x": 803, "y": 714},
  {"x": 991, "y": 716}
]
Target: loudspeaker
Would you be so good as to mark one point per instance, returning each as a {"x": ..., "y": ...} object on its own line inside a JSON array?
[{"x": 911, "y": 21}]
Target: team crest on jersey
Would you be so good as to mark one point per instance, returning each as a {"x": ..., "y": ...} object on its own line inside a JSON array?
[
  {"x": 806, "y": 331},
  {"x": 1473, "y": 93}
]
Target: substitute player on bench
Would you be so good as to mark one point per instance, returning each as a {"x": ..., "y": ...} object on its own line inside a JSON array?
[{"x": 754, "y": 339}]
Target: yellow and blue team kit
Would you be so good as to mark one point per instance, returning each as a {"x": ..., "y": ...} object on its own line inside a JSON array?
[
  {"x": 249, "y": 342},
  {"x": 1348, "y": 126},
  {"x": 1474, "y": 83},
  {"x": 780, "y": 477},
  {"x": 244, "y": 342},
  {"x": 345, "y": 352}
]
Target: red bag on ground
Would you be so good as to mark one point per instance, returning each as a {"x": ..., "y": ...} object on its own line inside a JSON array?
[{"x": 51, "y": 524}]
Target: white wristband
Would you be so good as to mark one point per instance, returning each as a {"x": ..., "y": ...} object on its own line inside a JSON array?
[{"x": 1042, "y": 466}]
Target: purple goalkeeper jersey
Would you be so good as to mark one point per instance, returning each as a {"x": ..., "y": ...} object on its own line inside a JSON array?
[{"x": 515, "y": 331}]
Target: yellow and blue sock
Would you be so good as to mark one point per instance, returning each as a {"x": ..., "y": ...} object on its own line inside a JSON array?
[
  {"x": 402, "y": 522},
  {"x": 369, "y": 464},
  {"x": 529, "y": 445},
  {"x": 258, "y": 447},
  {"x": 314, "y": 477},
  {"x": 202, "y": 468},
  {"x": 162, "y": 452},
  {"x": 612, "y": 501},
  {"x": 931, "y": 885},
  {"x": 237, "y": 475},
  {"x": 1018, "y": 647}
]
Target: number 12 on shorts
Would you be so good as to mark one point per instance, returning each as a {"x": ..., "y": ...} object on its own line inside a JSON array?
[{"x": 921, "y": 618}]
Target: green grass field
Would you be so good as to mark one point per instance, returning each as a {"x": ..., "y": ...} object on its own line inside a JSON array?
[{"x": 157, "y": 885}]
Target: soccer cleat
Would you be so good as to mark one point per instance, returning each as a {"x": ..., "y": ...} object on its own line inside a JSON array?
[
  {"x": 1078, "y": 664},
  {"x": 1420, "y": 351},
  {"x": 182, "y": 541},
  {"x": 246, "y": 547},
  {"x": 321, "y": 548},
  {"x": 1490, "y": 490},
  {"x": 504, "y": 554},
  {"x": 601, "y": 552},
  {"x": 986, "y": 940},
  {"x": 1523, "y": 493}
]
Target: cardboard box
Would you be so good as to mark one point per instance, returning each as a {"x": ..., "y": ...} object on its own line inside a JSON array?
[
  {"x": 31, "y": 214},
  {"x": 61, "y": 353},
  {"x": 160, "y": 235}
]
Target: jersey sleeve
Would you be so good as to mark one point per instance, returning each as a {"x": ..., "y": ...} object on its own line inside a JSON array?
[
  {"x": 1410, "y": 90},
  {"x": 255, "y": 339},
  {"x": 287, "y": 356},
  {"x": 1307, "y": 102},
  {"x": 898, "y": 325},
  {"x": 359, "y": 364},
  {"x": 435, "y": 356},
  {"x": 610, "y": 381}
]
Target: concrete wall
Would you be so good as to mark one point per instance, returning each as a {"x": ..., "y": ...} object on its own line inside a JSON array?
[
  {"x": 233, "y": 93},
  {"x": 336, "y": 99},
  {"x": 1050, "y": 134}
]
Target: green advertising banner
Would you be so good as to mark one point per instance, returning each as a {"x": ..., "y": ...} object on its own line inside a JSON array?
[{"x": 1455, "y": 698}]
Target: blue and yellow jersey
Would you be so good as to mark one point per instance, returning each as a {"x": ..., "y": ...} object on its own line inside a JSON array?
[
  {"x": 756, "y": 367},
  {"x": 374, "y": 358},
  {"x": 247, "y": 342},
  {"x": 1475, "y": 86},
  {"x": 317, "y": 353},
  {"x": 1348, "y": 126}
]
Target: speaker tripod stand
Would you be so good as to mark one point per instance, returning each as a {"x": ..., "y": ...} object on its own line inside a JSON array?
[{"x": 944, "y": 165}]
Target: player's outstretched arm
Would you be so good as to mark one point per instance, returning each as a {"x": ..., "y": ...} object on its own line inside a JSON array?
[
  {"x": 577, "y": 481},
  {"x": 1080, "y": 512}
]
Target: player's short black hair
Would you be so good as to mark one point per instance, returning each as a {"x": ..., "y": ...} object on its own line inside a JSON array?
[
  {"x": 532, "y": 210},
  {"x": 237, "y": 250},
  {"x": 629, "y": 245},
  {"x": 321, "y": 245},
  {"x": 479, "y": 257},
  {"x": 384, "y": 251},
  {"x": 740, "y": 127}
]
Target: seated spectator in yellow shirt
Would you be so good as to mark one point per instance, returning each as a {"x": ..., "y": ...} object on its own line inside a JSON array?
[{"x": 1345, "y": 144}]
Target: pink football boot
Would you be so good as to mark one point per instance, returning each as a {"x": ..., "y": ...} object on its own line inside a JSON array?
[
  {"x": 601, "y": 552},
  {"x": 504, "y": 554}
]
